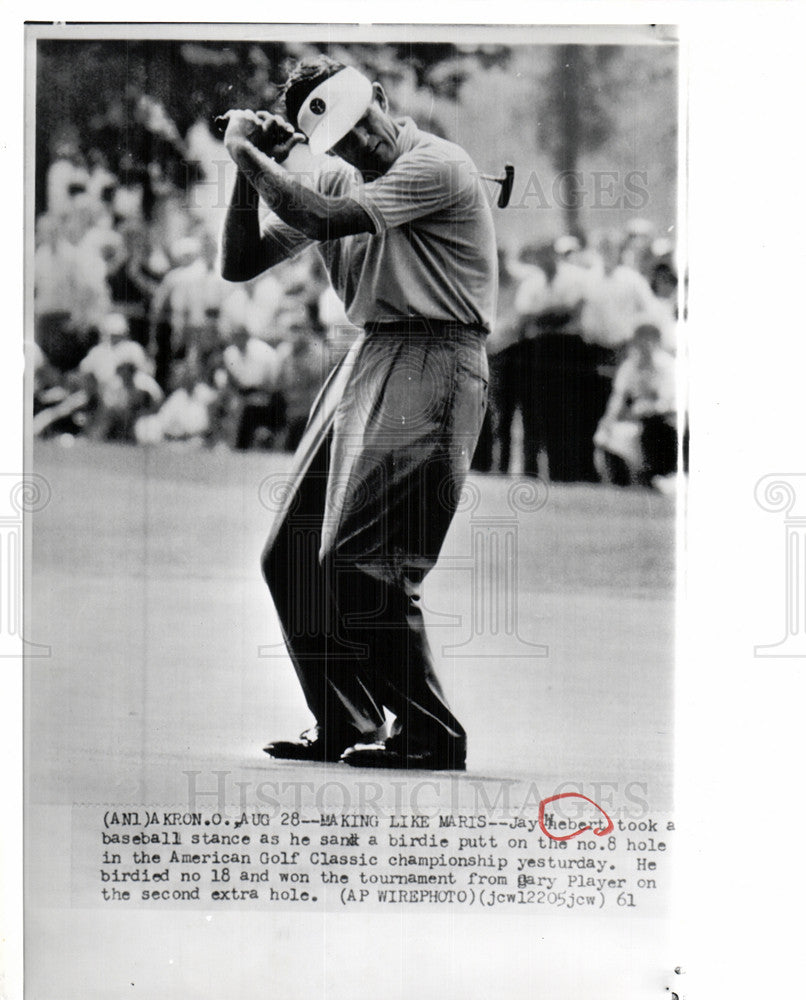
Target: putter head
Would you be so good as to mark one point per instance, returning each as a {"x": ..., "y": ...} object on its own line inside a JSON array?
[{"x": 506, "y": 185}]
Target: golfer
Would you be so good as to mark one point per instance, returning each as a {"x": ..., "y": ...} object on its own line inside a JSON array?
[{"x": 405, "y": 231}]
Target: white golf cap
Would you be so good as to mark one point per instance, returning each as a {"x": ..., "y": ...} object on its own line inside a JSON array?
[{"x": 333, "y": 108}]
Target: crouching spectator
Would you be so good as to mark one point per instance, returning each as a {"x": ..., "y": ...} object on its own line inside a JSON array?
[
  {"x": 115, "y": 347},
  {"x": 255, "y": 406},
  {"x": 60, "y": 400},
  {"x": 636, "y": 440},
  {"x": 116, "y": 378},
  {"x": 132, "y": 395},
  {"x": 186, "y": 415}
]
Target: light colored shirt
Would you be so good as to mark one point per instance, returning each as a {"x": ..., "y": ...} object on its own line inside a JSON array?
[
  {"x": 184, "y": 414},
  {"x": 71, "y": 279},
  {"x": 62, "y": 175},
  {"x": 533, "y": 294},
  {"x": 104, "y": 359},
  {"x": 190, "y": 291},
  {"x": 304, "y": 370},
  {"x": 570, "y": 286},
  {"x": 663, "y": 316},
  {"x": 536, "y": 294},
  {"x": 258, "y": 367},
  {"x": 645, "y": 389},
  {"x": 54, "y": 277},
  {"x": 116, "y": 395},
  {"x": 614, "y": 305},
  {"x": 432, "y": 253},
  {"x": 253, "y": 306}
]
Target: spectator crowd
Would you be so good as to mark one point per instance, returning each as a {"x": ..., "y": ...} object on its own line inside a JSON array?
[
  {"x": 138, "y": 339},
  {"x": 584, "y": 351}
]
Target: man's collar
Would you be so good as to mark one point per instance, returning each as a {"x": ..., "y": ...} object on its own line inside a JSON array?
[{"x": 407, "y": 136}]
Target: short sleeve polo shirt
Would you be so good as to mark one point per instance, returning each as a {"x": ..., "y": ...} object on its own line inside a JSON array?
[{"x": 433, "y": 251}]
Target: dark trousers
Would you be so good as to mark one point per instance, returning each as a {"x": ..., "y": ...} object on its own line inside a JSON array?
[
  {"x": 260, "y": 411},
  {"x": 513, "y": 387},
  {"x": 659, "y": 445},
  {"x": 572, "y": 394},
  {"x": 363, "y": 524}
]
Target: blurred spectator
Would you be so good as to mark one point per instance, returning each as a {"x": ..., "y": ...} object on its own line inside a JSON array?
[
  {"x": 167, "y": 308},
  {"x": 114, "y": 349},
  {"x": 128, "y": 199},
  {"x": 636, "y": 251},
  {"x": 522, "y": 289},
  {"x": 255, "y": 407},
  {"x": 572, "y": 279},
  {"x": 562, "y": 378},
  {"x": 186, "y": 415},
  {"x": 302, "y": 375},
  {"x": 54, "y": 271},
  {"x": 636, "y": 440},
  {"x": 615, "y": 297},
  {"x": 70, "y": 293},
  {"x": 664, "y": 287},
  {"x": 66, "y": 412},
  {"x": 339, "y": 331},
  {"x": 101, "y": 182},
  {"x": 531, "y": 295},
  {"x": 126, "y": 399},
  {"x": 101, "y": 249},
  {"x": 48, "y": 390},
  {"x": 542, "y": 370},
  {"x": 111, "y": 388},
  {"x": 91, "y": 249},
  {"x": 191, "y": 294},
  {"x": 253, "y": 304},
  {"x": 67, "y": 176},
  {"x": 133, "y": 283}
]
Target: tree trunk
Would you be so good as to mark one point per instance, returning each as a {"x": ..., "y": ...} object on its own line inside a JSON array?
[{"x": 570, "y": 66}]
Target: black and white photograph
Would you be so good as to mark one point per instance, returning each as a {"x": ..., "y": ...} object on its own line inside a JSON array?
[{"x": 356, "y": 457}]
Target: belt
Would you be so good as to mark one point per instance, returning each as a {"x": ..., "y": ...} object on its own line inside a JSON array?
[{"x": 422, "y": 326}]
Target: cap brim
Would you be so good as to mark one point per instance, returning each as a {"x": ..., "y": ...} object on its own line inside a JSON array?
[
  {"x": 332, "y": 131},
  {"x": 346, "y": 96}
]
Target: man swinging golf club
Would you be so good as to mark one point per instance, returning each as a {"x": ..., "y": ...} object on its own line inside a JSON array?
[{"x": 406, "y": 233}]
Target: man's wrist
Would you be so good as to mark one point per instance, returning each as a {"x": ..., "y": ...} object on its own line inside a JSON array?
[
  {"x": 238, "y": 147},
  {"x": 252, "y": 163},
  {"x": 246, "y": 193},
  {"x": 245, "y": 151}
]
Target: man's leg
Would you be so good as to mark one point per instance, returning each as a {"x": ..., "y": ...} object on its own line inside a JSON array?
[
  {"x": 331, "y": 672},
  {"x": 404, "y": 449},
  {"x": 378, "y": 600},
  {"x": 532, "y": 402},
  {"x": 504, "y": 386},
  {"x": 387, "y": 619}
]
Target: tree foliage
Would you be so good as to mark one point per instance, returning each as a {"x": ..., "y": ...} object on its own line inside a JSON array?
[{"x": 523, "y": 103}]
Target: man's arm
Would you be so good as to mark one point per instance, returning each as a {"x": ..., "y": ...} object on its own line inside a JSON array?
[
  {"x": 246, "y": 251},
  {"x": 617, "y": 408},
  {"x": 314, "y": 215},
  {"x": 317, "y": 216}
]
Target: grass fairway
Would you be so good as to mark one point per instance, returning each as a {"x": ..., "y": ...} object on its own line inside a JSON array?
[{"x": 147, "y": 588}]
